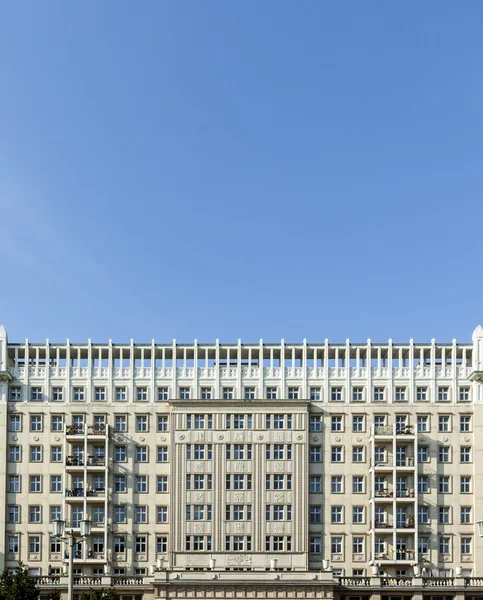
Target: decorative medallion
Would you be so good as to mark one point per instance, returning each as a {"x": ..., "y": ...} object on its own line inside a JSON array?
[
  {"x": 163, "y": 438},
  {"x": 315, "y": 438},
  {"x": 259, "y": 436},
  {"x": 221, "y": 436},
  {"x": 142, "y": 438},
  {"x": 181, "y": 437},
  {"x": 36, "y": 438},
  {"x": 445, "y": 439},
  {"x": 299, "y": 437},
  {"x": 359, "y": 439},
  {"x": 467, "y": 439},
  {"x": 337, "y": 439}
]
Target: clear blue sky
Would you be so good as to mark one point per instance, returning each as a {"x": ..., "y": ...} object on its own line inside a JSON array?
[{"x": 241, "y": 169}]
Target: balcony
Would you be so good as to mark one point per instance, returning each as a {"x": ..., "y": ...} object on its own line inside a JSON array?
[
  {"x": 97, "y": 430},
  {"x": 74, "y": 430}
]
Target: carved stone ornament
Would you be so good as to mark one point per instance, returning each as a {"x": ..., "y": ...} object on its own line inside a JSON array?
[
  {"x": 238, "y": 559},
  {"x": 278, "y": 467},
  {"x": 36, "y": 438},
  {"x": 239, "y": 467},
  {"x": 199, "y": 467},
  {"x": 299, "y": 437},
  {"x": 359, "y": 439},
  {"x": 57, "y": 438},
  {"x": 467, "y": 439},
  {"x": 163, "y": 438},
  {"x": 279, "y": 497},
  {"x": 221, "y": 436},
  {"x": 199, "y": 496},
  {"x": 260, "y": 437},
  {"x": 315, "y": 438},
  {"x": 445, "y": 439},
  {"x": 337, "y": 439},
  {"x": 142, "y": 438},
  {"x": 181, "y": 437}
]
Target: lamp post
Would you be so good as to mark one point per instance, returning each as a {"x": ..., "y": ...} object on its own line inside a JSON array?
[{"x": 60, "y": 533}]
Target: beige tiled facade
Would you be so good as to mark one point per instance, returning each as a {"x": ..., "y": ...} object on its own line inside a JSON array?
[{"x": 246, "y": 470}]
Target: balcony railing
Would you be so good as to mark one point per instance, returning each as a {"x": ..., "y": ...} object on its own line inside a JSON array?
[
  {"x": 74, "y": 430},
  {"x": 355, "y": 581},
  {"x": 96, "y": 430},
  {"x": 396, "y": 581},
  {"x": 473, "y": 581},
  {"x": 438, "y": 581}
]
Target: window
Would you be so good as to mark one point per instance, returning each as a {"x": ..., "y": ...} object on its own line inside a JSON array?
[
  {"x": 423, "y": 484},
  {"x": 337, "y": 484},
  {"x": 357, "y": 484},
  {"x": 336, "y": 394},
  {"x": 141, "y": 423},
  {"x": 238, "y": 512},
  {"x": 315, "y": 423},
  {"x": 423, "y": 515},
  {"x": 56, "y": 454},
  {"x": 120, "y": 423},
  {"x": 100, "y": 394},
  {"x": 34, "y": 544},
  {"x": 357, "y": 394},
  {"x": 442, "y": 394},
  {"x": 315, "y": 545},
  {"x": 444, "y": 545},
  {"x": 15, "y": 423},
  {"x": 378, "y": 394},
  {"x": 422, "y": 423},
  {"x": 142, "y": 394},
  {"x": 36, "y": 423},
  {"x": 55, "y": 513},
  {"x": 13, "y": 544},
  {"x": 161, "y": 484},
  {"x": 249, "y": 393},
  {"x": 141, "y": 454},
  {"x": 227, "y": 393},
  {"x": 57, "y": 394},
  {"x": 55, "y": 483},
  {"x": 315, "y": 514},
  {"x": 162, "y": 394},
  {"x": 15, "y": 394},
  {"x": 184, "y": 393},
  {"x": 14, "y": 483},
  {"x": 120, "y": 483},
  {"x": 444, "y": 514},
  {"x": 315, "y": 453},
  {"x": 358, "y": 454},
  {"x": 336, "y": 544},
  {"x": 357, "y": 545},
  {"x": 358, "y": 514},
  {"x": 119, "y": 544},
  {"x": 120, "y": 454},
  {"x": 336, "y": 423},
  {"x": 466, "y": 545},
  {"x": 465, "y": 454},
  {"x": 315, "y": 393},
  {"x": 14, "y": 513},
  {"x": 206, "y": 393},
  {"x": 161, "y": 544},
  {"x": 423, "y": 545},
  {"x": 238, "y": 421},
  {"x": 465, "y": 484},
  {"x": 140, "y": 514},
  {"x": 422, "y": 454},
  {"x": 444, "y": 484},
  {"x": 357, "y": 423},
  {"x": 271, "y": 393},
  {"x": 199, "y": 421},
  {"x": 36, "y": 394},
  {"x": 35, "y": 453},
  {"x": 162, "y": 423},
  {"x": 315, "y": 484},
  {"x": 400, "y": 394},
  {"x": 336, "y": 454},
  {"x": 336, "y": 514},
  {"x": 119, "y": 513},
  {"x": 56, "y": 423},
  {"x": 14, "y": 454},
  {"x": 464, "y": 394},
  {"x": 121, "y": 394},
  {"x": 141, "y": 484},
  {"x": 379, "y": 420},
  {"x": 444, "y": 423},
  {"x": 78, "y": 394},
  {"x": 421, "y": 394},
  {"x": 140, "y": 544},
  {"x": 465, "y": 515},
  {"x": 161, "y": 514},
  {"x": 443, "y": 454},
  {"x": 465, "y": 423},
  {"x": 35, "y": 514}
]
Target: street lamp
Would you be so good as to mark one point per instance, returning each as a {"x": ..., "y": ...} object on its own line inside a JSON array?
[{"x": 59, "y": 532}]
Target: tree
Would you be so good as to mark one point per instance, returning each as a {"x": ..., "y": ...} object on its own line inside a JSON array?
[
  {"x": 102, "y": 594},
  {"x": 18, "y": 585}
]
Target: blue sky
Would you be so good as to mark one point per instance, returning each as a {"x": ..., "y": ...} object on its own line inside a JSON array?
[{"x": 257, "y": 169}]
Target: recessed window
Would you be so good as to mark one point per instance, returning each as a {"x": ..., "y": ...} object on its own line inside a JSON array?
[
  {"x": 336, "y": 394},
  {"x": 249, "y": 393},
  {"x": 206, "y": 393},
  {"x": 443, "y": 394},
  {"x": 315, "y": 393},
  {"x": 15, "y": 393},
  {"x": 336, "y": 423},
  {"x": 357, "y": 423},
  {"x": 121, "y": 394},
  {"x": 357, "y": 394},
  {"x": 315, "y": 423},
  {"x": 36, "y": 394},
  {"x": 79, "y": 394},
  {"x": 464, "y": 394},
  {"x": 227, "y": 393},
  {"x": 271, "y": 393},
  {"x": 100, "y": 394},
  {"x": 358, "y": 454},
  {"x": 421, "y": 394},
  {"x": 378, "y": 394},
  {"x": 465, "y": 454},
  {"x": 444, "y": 423},
  {"x": 423, "y": 421},
  {"x": 142, "y": 394},
  {"x": 162, "y": 394},
  {"x": 336, "y": 453},
  {"x": 400, "y": 394},
  {"x": 184, "y": 393}
]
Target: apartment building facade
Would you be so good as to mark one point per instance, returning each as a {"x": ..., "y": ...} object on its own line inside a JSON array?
[{"x": 245, "y": 470}]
